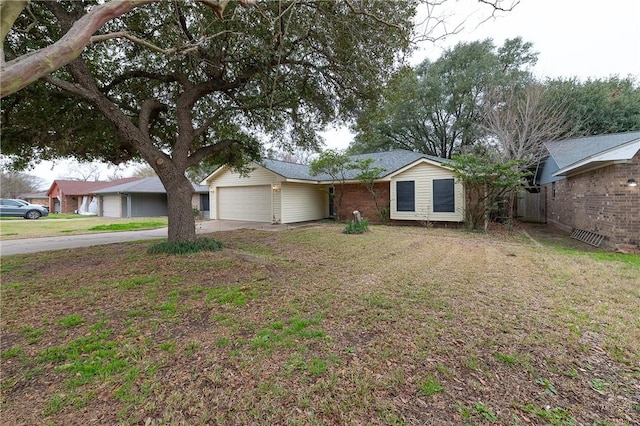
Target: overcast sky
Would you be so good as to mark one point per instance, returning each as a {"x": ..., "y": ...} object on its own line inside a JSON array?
[
  {"x": 574, "y": 38},
  {"x": 582, "y": 38}
]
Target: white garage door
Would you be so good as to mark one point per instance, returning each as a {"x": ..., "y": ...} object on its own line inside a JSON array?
[{"x": 251, "y": 203}]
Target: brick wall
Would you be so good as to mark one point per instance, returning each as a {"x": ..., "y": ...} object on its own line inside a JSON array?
[
  {"x": 599, "y": 201},
  {"x": 70, "y": 204},
  {"x": 355, "y": 196}
]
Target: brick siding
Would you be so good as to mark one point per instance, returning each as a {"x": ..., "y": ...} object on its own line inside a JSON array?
[
  {"x": 355, "y": 196},
  {"x": 600, "y": 201}
]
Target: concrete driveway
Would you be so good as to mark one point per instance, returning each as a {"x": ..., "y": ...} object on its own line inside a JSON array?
[{"x": 34, "y": 245}]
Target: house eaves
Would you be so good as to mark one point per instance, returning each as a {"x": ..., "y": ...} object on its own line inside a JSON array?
[
  {"x": 568, "y": 152},
  {"x": 616, "y": 155}
]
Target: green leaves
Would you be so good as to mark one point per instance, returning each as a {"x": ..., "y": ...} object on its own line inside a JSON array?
[
  {"x": 436, "y": 107},
  {"x": 332, "y": 162},
  {"x": 599, "y": 106},
  {"x": 259, "y": 72},
  {"x": 485, "y": 182}
]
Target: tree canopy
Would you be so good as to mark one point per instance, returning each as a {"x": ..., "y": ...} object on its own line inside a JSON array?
[
  {"x": 176, "y": 84},
  {"x": 599, "y": 106},
  {"x": 436, "y": 107}
]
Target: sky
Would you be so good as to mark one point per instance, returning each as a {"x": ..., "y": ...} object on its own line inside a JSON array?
[{"x": 574, "y": 38}]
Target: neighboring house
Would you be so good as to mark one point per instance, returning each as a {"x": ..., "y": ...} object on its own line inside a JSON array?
[
  {"x": 591, "y": 184},
  {"x": 413, "y": 186},
  {"x": 200, "y": 200},
  {"x": 71, "y": 196},
  {"x": 143, "y": 198},
  {"x": 40, "y": 198}
]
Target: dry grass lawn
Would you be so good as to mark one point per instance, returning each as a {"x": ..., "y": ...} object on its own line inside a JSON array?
[
  {"x": 64, "y": 225},
  {"x": 310, "y": 326}
]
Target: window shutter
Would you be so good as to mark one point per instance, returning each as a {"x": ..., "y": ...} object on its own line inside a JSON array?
[
  {"x": 443, "y": 196},
  {"x": 406, "y": 196}
]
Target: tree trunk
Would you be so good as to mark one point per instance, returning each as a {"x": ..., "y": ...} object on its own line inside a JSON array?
[
  {"x": 512, "y": 207},
  {"x": 182, "y": 222},
  {"x": 486, "y": 208}
]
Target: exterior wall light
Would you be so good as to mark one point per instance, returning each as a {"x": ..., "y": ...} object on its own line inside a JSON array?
[
  {"x": 276, "y": 187},
  {"x": 632, "y": 182}
]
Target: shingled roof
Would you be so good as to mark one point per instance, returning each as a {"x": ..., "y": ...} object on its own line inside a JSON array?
[
  {"x": 570, "y": 151},
  {"x": 80, "y": 187},
  {"x": 389, "y": 161},
  {"x": 151, "y": 185},
  {"x": 574, "y": 155}
]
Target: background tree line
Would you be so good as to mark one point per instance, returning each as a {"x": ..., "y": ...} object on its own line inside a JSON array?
[{"x": 478, "y": 97}]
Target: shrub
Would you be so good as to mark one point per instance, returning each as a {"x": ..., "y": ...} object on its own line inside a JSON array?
[
  {"x": 356, "y": 228},
  {"x": 201, "y": 244}
]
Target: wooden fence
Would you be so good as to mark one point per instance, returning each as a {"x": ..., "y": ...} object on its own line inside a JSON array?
[{"x": 532, "y": 206}]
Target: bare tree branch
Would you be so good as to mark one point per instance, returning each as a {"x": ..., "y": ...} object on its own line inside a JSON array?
[{"x": 521, "y": 121}]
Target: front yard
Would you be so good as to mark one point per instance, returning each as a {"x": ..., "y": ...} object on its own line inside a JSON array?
[
  {"x": 59, "y": 225},
  {"x": 311, "y": 326}
]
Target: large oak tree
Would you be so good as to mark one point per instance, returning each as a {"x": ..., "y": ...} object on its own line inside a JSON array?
[{"x": 176, "y": 83}]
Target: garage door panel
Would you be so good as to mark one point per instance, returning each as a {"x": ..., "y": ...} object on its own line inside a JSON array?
[{"x": 251, "y": 203}]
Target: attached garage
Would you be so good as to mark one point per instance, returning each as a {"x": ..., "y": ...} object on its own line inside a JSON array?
[
  {"x": 251, "y": 203},
  {"x": 272, "y": 192},
  {"x": 144, "y": 198}
]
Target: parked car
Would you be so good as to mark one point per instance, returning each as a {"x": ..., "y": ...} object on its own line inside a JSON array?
[
  {"x": 26, "y": 202},
  {"x": 18, "y": 208}
]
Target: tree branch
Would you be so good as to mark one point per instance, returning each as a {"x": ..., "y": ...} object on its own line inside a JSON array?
[
  {"x": 181, "y": 49},
  {"x": 165, "y": 78},
  {"x": 24, "y": 70},
  {"x": 149, "y": 111},
  {"x": 198, "y": 155},
  {"x": 73, "y": 88},
  {"x": 9, "y": 12},
  {"x": 21, "y": 72}
]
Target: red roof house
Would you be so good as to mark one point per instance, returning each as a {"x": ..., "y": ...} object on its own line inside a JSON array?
[{"x": 67, "y": 196}]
